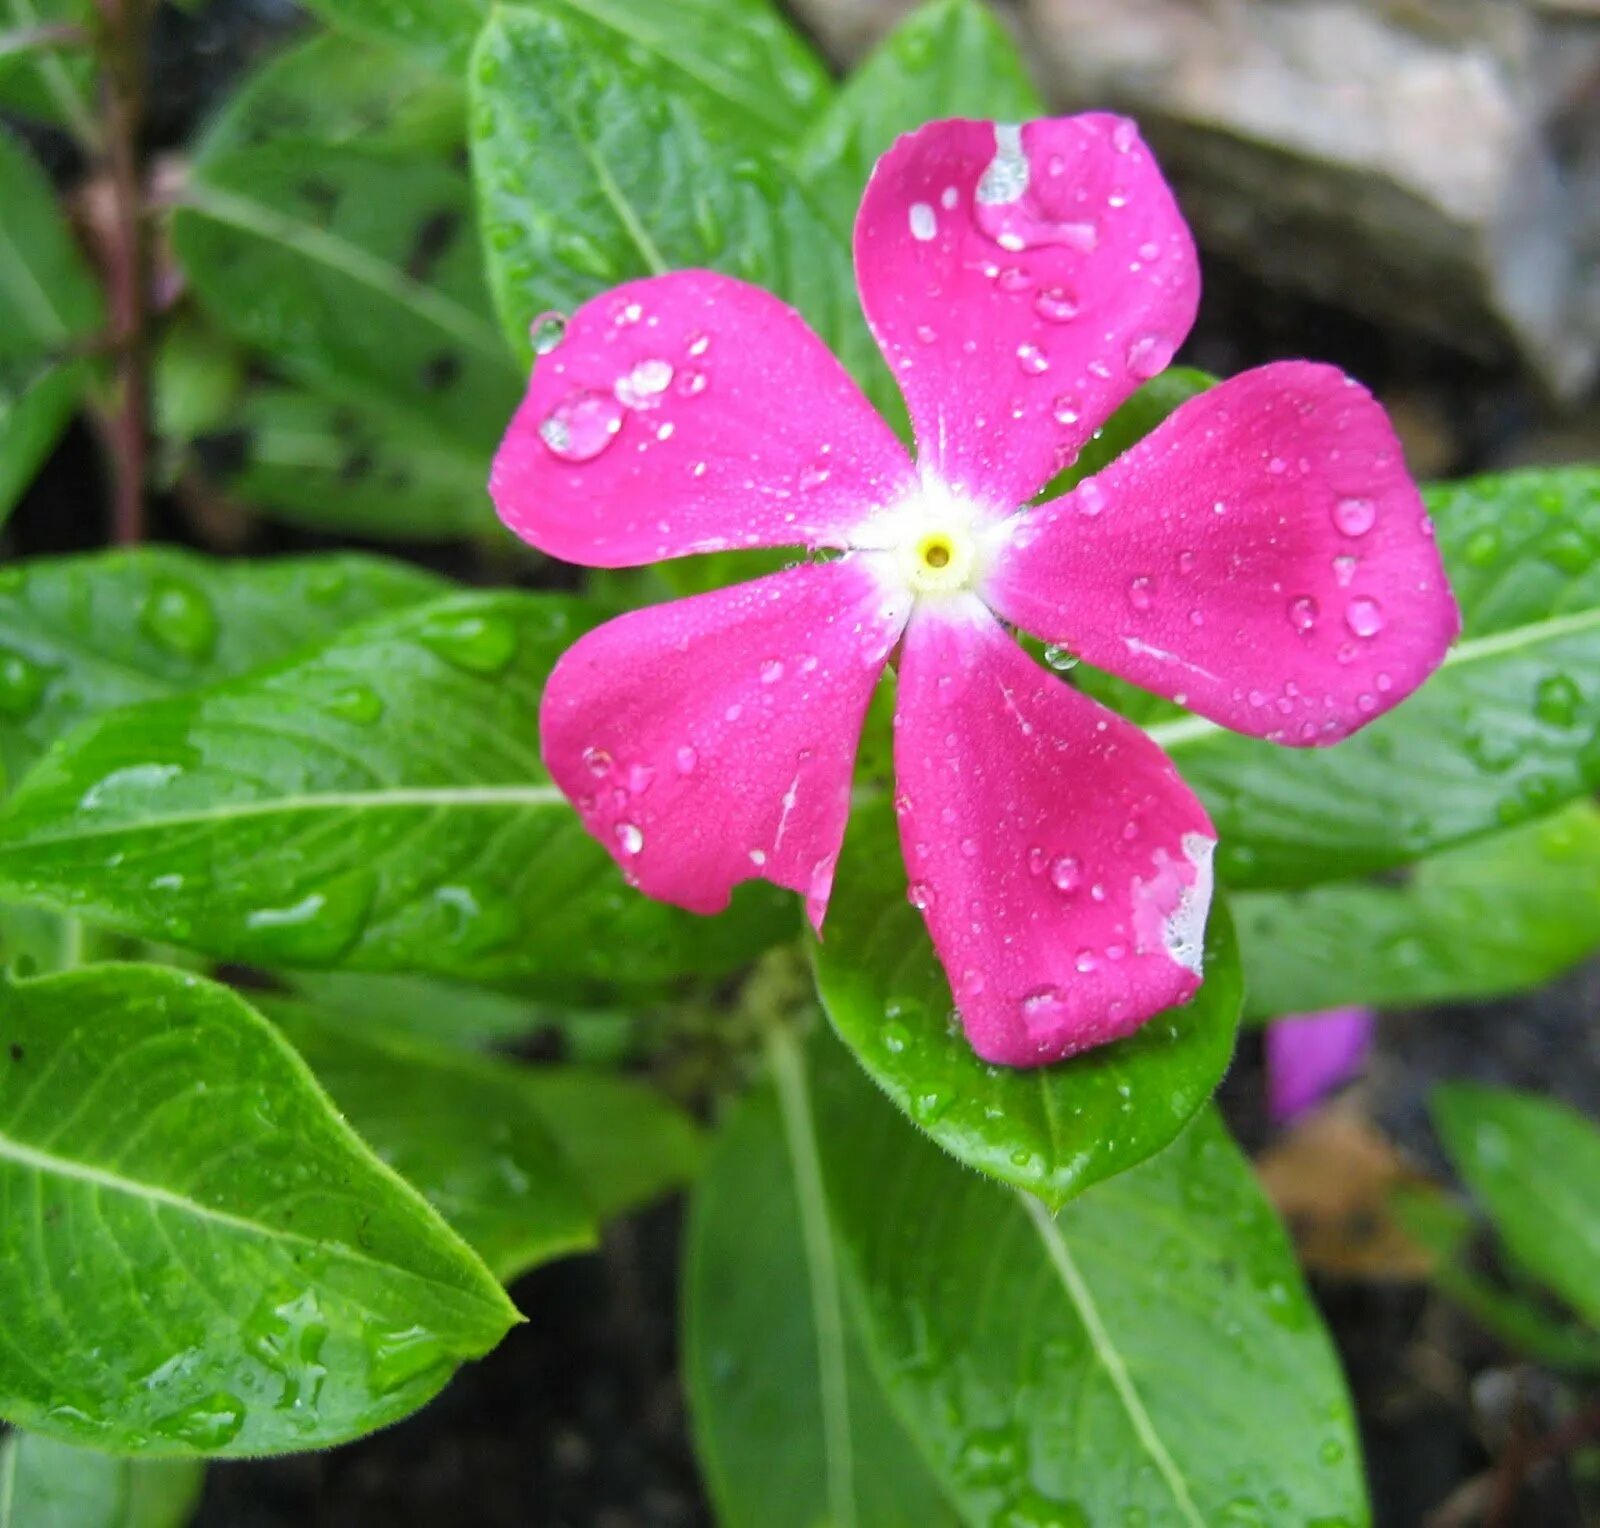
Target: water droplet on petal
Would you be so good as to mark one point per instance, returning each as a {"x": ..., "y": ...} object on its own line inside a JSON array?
[
  {"x": 1066, "y": 874},
  {"x": 771, "y": 671},
  {"x": 629, "y": 838},
  {"x": 1364, "y": 616},
  {"x": 1344, "y": 570},
  {"x": 1065, "y": 410},
  {"x": 581, "y": 425},
  {"x": 1149, "y": 356},
  {"x": 1355, "y": 517},
  {"x": 919, "y": 894},
  {"x": 687, "y": 758},
  {"x": 1056, "y": 305},
  {"x": 547, "y": 331},
  {"x": 644, "y": 385},
  {"x": 1060, "y": 658},
  {"x": 1139, "y": 594},
  {"x": 1303, "y": 613},
  {"x": 924, "y": 222},
  {"x": 1033, "y": 361}
]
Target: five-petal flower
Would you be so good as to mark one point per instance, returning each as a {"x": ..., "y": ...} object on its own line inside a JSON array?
[{"x": 1262, "y": 557}]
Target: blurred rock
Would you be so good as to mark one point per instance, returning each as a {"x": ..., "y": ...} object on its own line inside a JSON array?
[{"x": 1433, "y": 164}]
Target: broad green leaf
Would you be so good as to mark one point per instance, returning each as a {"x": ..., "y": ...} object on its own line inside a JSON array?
[
  {"x": 1148, "y": 1355},
  {"x": 197, "y": 1255},
  {"x": 460, "y": 1130},
  {"x": 950, "y": 58},
  {"x": 337, "y": 466},
  {"x": 791, "y": 1425},
  {"x": 1050, "y": 1130},
  {"x": 54, "y": 83},
  {"x": 595, "y": 166},
  {"x": 1446, "y": 1230},
  {"x": 419, "y": 1008},
  {"x": 1534, "y": 1164},
  {"x": 377, "y": 804},
  {"x": 49, "y": 304},
  {"x": 46, "y": 1484},
  {"x": 740, "y": 51},
  {"x": 356, "y": 271},
  {"x": 1506, "y": 731},
  {"x": 196, "y": 381},
  {"x": 1506, "y": 912},
  {"x": 332, "y": 90},
  {"x": 85, "y": 634}
]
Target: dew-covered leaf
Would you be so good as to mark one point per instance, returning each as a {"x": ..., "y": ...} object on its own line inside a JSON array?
[
  {"x": 1071, "y": 1370},
  {"x": 951, "y": 58},
  {"x": 86, "y": 634},
  {"x": 1506, "y": 912},
  {"x": 198, "y": 1255},
  {"x": 48, "y": 1484},
  {"x": 1051, "y": 1130},
  {"x": 338, "y": 466},
  {"x": 595, "y": 165},
  {"x": 1507, "y": 730},
  {"x": 791, "y": 1425},
  {"x": 377, "y": 804},
  {"x": 460, "y": 1129},
  {"x": 357, "y": 272},
  {"x": 49, "y": 306},
  {"x": 1534, "y": 1164}
]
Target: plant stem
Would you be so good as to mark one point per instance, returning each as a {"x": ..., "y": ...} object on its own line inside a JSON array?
[
  {"x": 36, "y": 39},
  {"x": 122, "y": 35}
]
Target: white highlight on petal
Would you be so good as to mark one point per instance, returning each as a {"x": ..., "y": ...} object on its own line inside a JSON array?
[
  {"x": 1006, "y": 177},
  {"x": 1184, "y": 933},
  {"x": 924, "y": 221}
]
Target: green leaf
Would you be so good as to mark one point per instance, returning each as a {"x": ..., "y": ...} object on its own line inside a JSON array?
[
  {"x": 741, "y": 51},
  {"x": 1148, "y": 1355},
  {"x": 197, "y": 1255},
  {"x": 1508, "y": 730},
  {"x": 1506, "y": 912},
  {"x": 377, "y": 804},
  {"x": 595, "y": 166},
  {"x": 950, "y": 58},
  {"x": 53, "y": 83},
  {"x": 356, "y": 271},
  {"x": 332, "y": 90},
  {"x": 86, "y": 634},
  {"x": 1050, "y": 1130},
  {"x": 459, "y": 1129},
  {"x": 49, "y": 305},
  {"x": 790, "y": 1423},
  {"x": 1534, "y": 1164},
  {"x": 418, "y": 1008},
  {"x": 1446, "y": 1231},
  {"x": 337, "y": 466},
  {"x": 46, "y": 1484}
]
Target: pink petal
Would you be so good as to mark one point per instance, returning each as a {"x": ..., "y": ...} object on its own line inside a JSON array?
[
  {"x": 1063, "y": 867},
  {"x": 1262, "y": 557},
  {"x": 1021, "y": 288},
  {"x": 690, "y": 413},
  {"x": 710, "y": 740},
  {"x": 1309, "y": 1055}
]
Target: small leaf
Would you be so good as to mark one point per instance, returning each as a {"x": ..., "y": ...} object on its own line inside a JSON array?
[
  {"x": 459, "y": 1130},
  {"x": 1507, "y": 731},
  {"x": 1050, "y": 1130},
  {"x": 86, "y": 634},
  {"x": 53, "y": 83},
  {"x": 377, "y": 804},
  {"x": 950, "y": 58},
  {"x": 595, "y": 166},
  {"x": 46, "y": 1484},
  {"x": 1069, "y": 1369},
  {"x": 791, "y": 1424},
  {"x": 1534, "y": 1164},
  {"x": 199, "y": 1256},
  {"x": 1509, "y": 911}
]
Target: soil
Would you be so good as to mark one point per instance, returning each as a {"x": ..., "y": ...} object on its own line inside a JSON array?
[{"x": 577, "y": 1420}]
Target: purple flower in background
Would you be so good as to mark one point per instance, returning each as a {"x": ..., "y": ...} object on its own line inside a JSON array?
[{"x": 1310, "y": 1055}]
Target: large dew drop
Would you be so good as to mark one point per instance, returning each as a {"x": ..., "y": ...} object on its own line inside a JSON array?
[{"x": 581, "y": 425}]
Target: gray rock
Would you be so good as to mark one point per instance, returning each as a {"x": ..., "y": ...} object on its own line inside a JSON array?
[{"x": 1433, "y": 164}]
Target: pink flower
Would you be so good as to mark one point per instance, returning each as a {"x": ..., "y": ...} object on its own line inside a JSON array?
[{"x": 1262, "y": 557}]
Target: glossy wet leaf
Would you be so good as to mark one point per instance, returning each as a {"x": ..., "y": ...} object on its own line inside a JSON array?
[
  {"x": 378, "y": 804},
  {"x": 333, "y": 90},
  {"x": 198, "y": 1255},
  {"x": 1050, "y": 1130},
  {"x": 50, "y": 307},
  {"x": 84, "y": 634},
  {"x": 48, "y": 1484},
  {"x": 1520, "y": 1318},
  {"x": 357, "y": 272},
  {"x": 460, "y": 1130},
  {"x": 1534, "y": 1165},
  {"x": 791, "y": 1425},
  {"x": 337, "y": 466},
  {"x": 951, "y": 58},
  {"x": 1510, "y": 911},
  {"x": 1508, "y": 730},
  {"x": 1149, "y": 1355},
  {"x": 596, "y": 165}
]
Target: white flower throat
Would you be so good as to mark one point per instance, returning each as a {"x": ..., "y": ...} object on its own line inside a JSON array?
[{"x": 935, "y": 543}]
